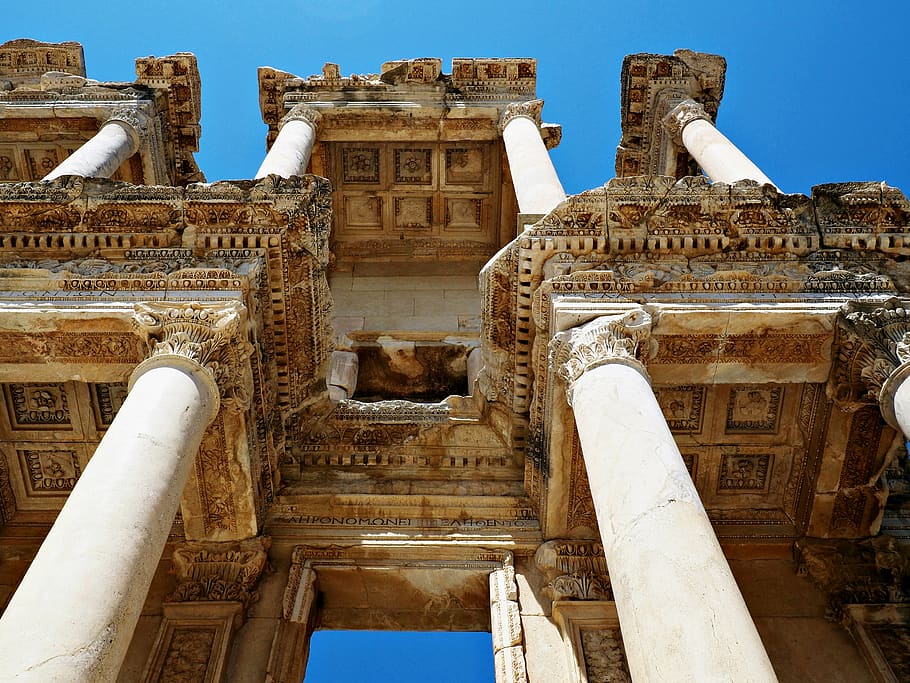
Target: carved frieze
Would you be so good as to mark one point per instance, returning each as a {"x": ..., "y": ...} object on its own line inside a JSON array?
[{"x": 856, "y": 572}]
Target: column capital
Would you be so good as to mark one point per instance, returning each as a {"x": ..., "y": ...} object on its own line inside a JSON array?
[
  {"x": 608, "y": 339},
  {"x": 220, "y": 571},
  {"x": 681, "y": 116},
  {"x": 529, "y": 109},
  {"x": 206, "y": 337},
  {"x": 874, "y": 353},
  {"x": 135, "y": 122},
  {"x": 302, "y": 112}
]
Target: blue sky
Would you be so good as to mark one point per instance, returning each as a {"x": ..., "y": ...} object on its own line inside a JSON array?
[{"x": 816, "y": 91}]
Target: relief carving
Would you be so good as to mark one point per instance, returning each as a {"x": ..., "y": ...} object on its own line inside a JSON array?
[
  {"x": 874, "y": 345},
  {"x": 577, "y": 570},
  {"x": 604, "y": 656},
  {"x": 856, "y": 572},
  {"x": 608, "y": 339},
  {"x": 220, "y": 571},
  {"x": 212, "y": 335},
  {"x": 529, "y": 109},
  {"x": 682, "y": 115}
]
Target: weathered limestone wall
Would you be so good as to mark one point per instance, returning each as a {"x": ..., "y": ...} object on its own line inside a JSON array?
[
  {"x": 789, "y": 613},
  {"x": 417, "y": 297}
]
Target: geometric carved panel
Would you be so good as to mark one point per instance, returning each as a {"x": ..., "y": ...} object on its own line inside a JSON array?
[
  {"x": 8, "y": 165},
  {"x": 744, "y": 472},
  {"x": 464, "y": 214},
  {"x": 414, "y": 213},
  {"x": 414, "y": 166},
  {"x": 464, "y": 166},
  {"x": 363, "y": 212},
  {"x": 106, "y": 401},
  {"x": 754, "y": 408},
  {"x": 49, "y": 472},
  {"x": 37, "y": 406},
  {"x": 683, "y": 406},
  {"x": 360, "y": 165},
  {"x": 41, "y": 161}
]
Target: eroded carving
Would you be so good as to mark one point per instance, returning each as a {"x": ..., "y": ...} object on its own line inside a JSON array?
[
  {"x": 220, "y": 571},
  {"x": 212, "y": 335},
  {"x": 608, "y": 339}
]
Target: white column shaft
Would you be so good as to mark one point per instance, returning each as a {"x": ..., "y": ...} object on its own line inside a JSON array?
[
  {"x": 720, "y": 159},
  {"x": 73, "y": 615},
  {"x": 101, "y": 156},
  {"x": 290, "y": 153},
  {"x": 902, "y": 407},
  {"x": 681, "y": 612},
  {"x": 537, "y": 186}
]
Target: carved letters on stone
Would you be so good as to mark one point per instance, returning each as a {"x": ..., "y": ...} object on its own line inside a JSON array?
[{"x": 608, "y": 339}]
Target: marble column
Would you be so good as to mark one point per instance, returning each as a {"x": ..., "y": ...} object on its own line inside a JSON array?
[
  {"x": 73, "y": 615},
  {"x": 534, "y": 178},
  {"x": 680, "y": 610},
  {"x": 120, "y": 137},
  {"x": 290, "y": 153},
  {"x": 691, "y": 127}
]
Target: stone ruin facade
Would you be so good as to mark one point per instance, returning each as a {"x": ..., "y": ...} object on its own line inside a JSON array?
[{"x": 399, "y": 380}]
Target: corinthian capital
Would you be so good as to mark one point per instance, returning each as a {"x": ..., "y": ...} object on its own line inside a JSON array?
[
  {"x": 608, "y": 339},
  {"x": 302, "y": 112},
  {"x": 529, "y": 109},
  {"x": 873, "y": 354},
  {"x": 681, "y": 116},
  {"x": 211, "y": 336},
  {"x": 134, "y": 121}
]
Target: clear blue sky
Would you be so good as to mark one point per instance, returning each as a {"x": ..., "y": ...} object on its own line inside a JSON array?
[{"x": 816, "y": 91}]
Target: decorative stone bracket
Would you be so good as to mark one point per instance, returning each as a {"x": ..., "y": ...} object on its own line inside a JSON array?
[{"x": 576, "y": 570}]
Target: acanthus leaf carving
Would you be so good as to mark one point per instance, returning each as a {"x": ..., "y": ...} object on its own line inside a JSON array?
[
  {"x": 212, "y": 335},
  {"x": 220, "y": 571},
  {"x": 529, "y": 109},
  {"x": 874, "y": 346},
  {"x": 608, "y": 339}
]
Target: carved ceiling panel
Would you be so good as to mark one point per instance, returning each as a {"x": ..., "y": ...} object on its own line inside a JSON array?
[{"x": 420, "y": 200}]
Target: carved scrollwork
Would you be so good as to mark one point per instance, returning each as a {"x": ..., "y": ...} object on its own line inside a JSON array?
[
  {"x": 681, "y": 116},
  {"x": 608, "y": 339},
  {"x": 301, "y": 112},
  {"x": 136, "y": 122},
  {"x": 220, "y": 571},
  {"x": 874, "y": 347},
  {"x": 577, "y": 570},
  {"x": 212, "y": 335},
  {"x": 530, "y": 109}
]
